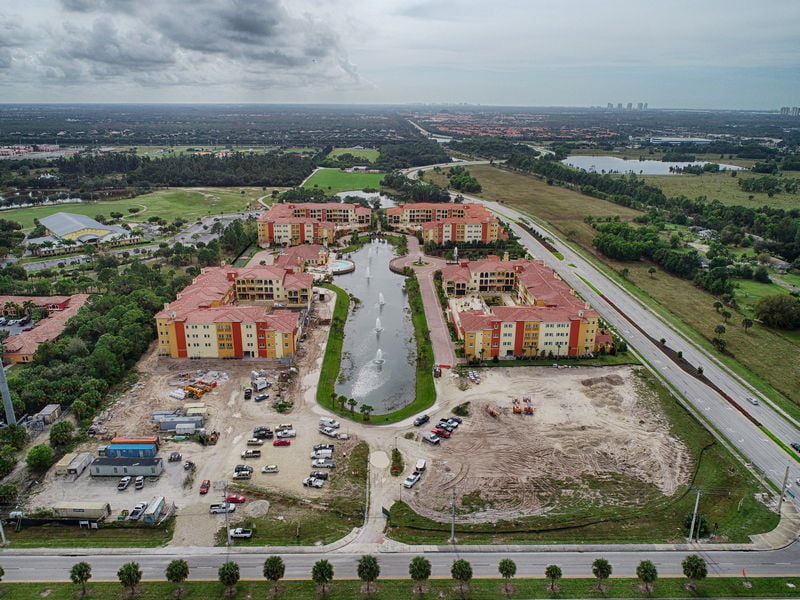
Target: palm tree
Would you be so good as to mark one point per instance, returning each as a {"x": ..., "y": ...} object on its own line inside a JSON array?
[
  {"x": 79, "y": 574},
  {"x": 129, "y": 576},
  {"x": 461, "y": 572},
  {"x": 725, "y": 316},
  {"x": 695, "y": 569},
  {"x": 601, "y": 569},
  {"x": 274, "y": 570},
  {"x": 28, "y": 307},
  {"x": 647, "y": 574},
  {"x": 553, "y": 574},
  {"x": 719, "y": 329},
  {"x": 229, "y": 576},
  {"x": 652, "y": 271},
  {"x": 420, "y": 570},
  {"x": 747, "y": 324},
  {"x": 717, "y": 305},
  {"x": 177, "y": 572},
  {"x": 351, "y": 402},
  {"x": 365, "y": 409},
  {"x": 507, "y": 569},
  {"x": 368, "y": 570},
  {"x": 322, "y": 575}
]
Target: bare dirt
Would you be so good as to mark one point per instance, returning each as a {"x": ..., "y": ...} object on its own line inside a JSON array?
[{"x": 595, "y": 437}]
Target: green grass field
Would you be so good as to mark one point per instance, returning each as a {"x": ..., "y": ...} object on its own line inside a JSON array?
[
  {"x": 368, "y": 153},
  {"x": 334, "y": 181},
  {"x": 346, "y": 587},
  {"x": 300, "y": 150},
  {"x": 650, "y": 518},
  {"x": 57, "y": 536},
  {"x": 749, "y": 292},
  {"x": 187, "y": 203},
  {"x": 722, "y": 187}
]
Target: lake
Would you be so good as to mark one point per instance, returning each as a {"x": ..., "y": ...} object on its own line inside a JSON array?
[
  {"x": 386, "y": 201},
  {"x": 612, "y": 164},
  {"x": 388, "y": 385}
]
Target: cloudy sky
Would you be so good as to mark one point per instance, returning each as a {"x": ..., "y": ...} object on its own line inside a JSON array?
[{"x": 678, "y": 53}]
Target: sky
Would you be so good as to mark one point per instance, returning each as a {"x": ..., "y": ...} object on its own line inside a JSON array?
[{"x": 727, "y": 54}]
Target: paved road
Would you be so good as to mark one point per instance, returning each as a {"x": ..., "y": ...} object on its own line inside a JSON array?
[{"x": 204, "y": 563}]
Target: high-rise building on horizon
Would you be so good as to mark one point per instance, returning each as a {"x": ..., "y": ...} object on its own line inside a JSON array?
[{"x": 630, "y": 105}]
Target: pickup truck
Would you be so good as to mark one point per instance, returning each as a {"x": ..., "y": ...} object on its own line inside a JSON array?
[
  {"x": 251, "y": 454},
  {"x": 222, "y": 508},
  {"x": 329, "y": 431},
  {"x": 124, "y": 483},
  {"x": 241, "y": 532},
  {"x": 313, "y": 482},
  {"x": 321, "y": 454},
  {"x": 255, "y": 442},
  {"x": 325, "y": 422},
  {"x": 242, "y": 475},
  {"x": 286, "y": 433},
  {"x": 323, "y": 463},
  {"x": 137, "y": 511},
  {"x": 323, "y": 446},
  {"x": 412, "y": 479},
  {"x": 319, "y": 475},
  {"x": 242, "y": 468}
]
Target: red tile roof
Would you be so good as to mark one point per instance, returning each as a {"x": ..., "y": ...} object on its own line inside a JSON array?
[{"x": 48, "y": 329}]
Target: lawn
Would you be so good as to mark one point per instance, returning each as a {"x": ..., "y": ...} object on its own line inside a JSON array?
[
  {"x": 334, "y": 181},
  {"x": 722, "y": 187},
  {"x": 112, "y": 536},
  {"x": 749, "y": 292},
  {"x": 368, "y": 153},
  {"x": 187, "y": 203},
  {"x": 300, "y": 150},
  {"x": 296, "y": 522},
  {"x": 346, "y": 587},
  {"x": 759, "y": 354},
  {"x": 656, "y": 519}
]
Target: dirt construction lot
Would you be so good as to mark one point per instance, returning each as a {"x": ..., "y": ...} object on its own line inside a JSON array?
[
  {"x": 229, "y": 414},
  {"x": 596, "y": 437}
]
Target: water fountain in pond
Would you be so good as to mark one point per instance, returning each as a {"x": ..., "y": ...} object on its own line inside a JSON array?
[
  {"x": 378, "y": 327},
  {"x": 379, "y": 357},
  {"x": 381, "y": 301}
]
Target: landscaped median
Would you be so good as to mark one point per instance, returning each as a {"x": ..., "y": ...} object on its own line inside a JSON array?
[
  {"x": 425, "y": 392},
  {"x": 345, "y": 586}
]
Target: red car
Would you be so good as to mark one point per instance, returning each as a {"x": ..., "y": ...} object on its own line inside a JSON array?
[
  {"x": 204, "y": 487},
  {"x": 282, "y": 443},
  {"x": 441, "y": 432},
  {"x": 235, "y": 499}
]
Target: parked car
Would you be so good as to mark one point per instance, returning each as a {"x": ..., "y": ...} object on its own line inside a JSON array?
[
  {"x": 282, "y": 443},
  {"x": 313, "y": 482},
  {"x": 241, "y": 532},
  {"x": 284, "y": 426},
  {"x": 137, "y": 511},
  {"x": 421, "y": 465},
  {"x": 453, "y": 423},
  {"x": 248, "y": 393},
  {"x": 421, "y": 420},
  {"x": 139, "y": 483},
  {"x": 437, "y": 371},
  {"x": 326, "y": 422},
  {"x": 205, "y": 486},
  {"x": 795, "y": 445},
  {"x": 175, "y": 457},
  {"x": 343, "y": 436},
  {"x": 329, "y": 431},
  {"x": 235, "y": 498},
  {"x": 188, "y": 465},
  {"x": 321, "y": 454},
  {"x": 269, "y": 469},
  {"x": 255, "y": 442},
  {"x": 441, "y": 432},
  {"x": 243, "y": 468},
  {"x": 323, "y": 463},
  {"x": 251, "y": 454},
  {"x": 287, "y": 433},
  {"x": 124, "y": 483},
  {"x": 261, "y": 397},
  {"x": 431, "y": 438},
  {"x": 238, "y": 475},
  {"x": 262, "y": 433},
  {"x": 222, "y": 508},
  {"x": 319, "y": 474},
  {"x": 412, "y": 479},
  {"x": 323, "y": 446},
  {"x": 3, "y": 320}
]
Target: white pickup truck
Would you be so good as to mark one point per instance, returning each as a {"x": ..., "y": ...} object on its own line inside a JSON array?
[
  {"x": 222, "y": 508},
  {"x": 241, "y": 533}
]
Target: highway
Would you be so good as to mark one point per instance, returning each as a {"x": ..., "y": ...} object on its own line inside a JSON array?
[{"x": 204, "y": 562}]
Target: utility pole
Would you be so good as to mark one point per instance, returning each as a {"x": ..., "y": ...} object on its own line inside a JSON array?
[
  {"x": 694, "y": 515},
  {"x": 3, "y": 540},
  {"x": 8, "y": 406},
  {"x": 453, "y": 521},
  {"x": 227, "y": 516},
  {"x": 783, "y": 490}
]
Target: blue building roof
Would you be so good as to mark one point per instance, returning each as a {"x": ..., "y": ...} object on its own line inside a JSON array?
[{"x": 130, "y": 447}]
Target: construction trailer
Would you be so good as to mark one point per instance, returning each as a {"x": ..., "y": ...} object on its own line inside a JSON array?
[
  {"x": 154, "y": 510},
  {"x": 48, "y": 414},
  {"x": 82, "y": 510},
  {"x": 61, "y": 465},
  {"x": 78, "y": 465},
  {"x": 119, "y": 467},
  {"x": 170, "y": 423},
  {"x": 131, "y": 450},
  {"x": 143, "y": 439}
]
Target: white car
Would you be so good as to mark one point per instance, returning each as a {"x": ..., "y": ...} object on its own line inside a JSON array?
[
  {"x": 323, "y": 463},
  {"x": 269, "y": 469},
  {"x": 286, "y": 433},
  {"x": 329, "y": 431},
  {"x": 325, "y": 422},
  {"x": 412, "y": 479},
  {"x": 313, "y": 482}
]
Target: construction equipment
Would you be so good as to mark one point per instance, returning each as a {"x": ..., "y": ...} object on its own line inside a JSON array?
[
  {"x": 491, "y": 411},
  {"x": 194, "y": 392}
]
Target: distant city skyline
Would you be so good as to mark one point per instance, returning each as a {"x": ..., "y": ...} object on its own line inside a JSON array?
[{"x": 719, "y": 54}]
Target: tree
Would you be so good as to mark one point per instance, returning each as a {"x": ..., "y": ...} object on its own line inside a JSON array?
[
  {"x": 61, "y": 433},
  {"x": 420, "y": 570},
  {"x": 747, "y": 324},
  {"x": 274, "y": 570},
  {"x": 229, "y": 576},
  {"x": 40, "y": 458},
  {"x": 725, "y": 316},
  {"x": 781, "y": 311},
  {"x": 462, "y": 574},
  {"x": 129, "y": 576},
  {"x": 507, "y": 569},
  {"x": 601, "y": 569},
  {"x": 177, "y": 572},
  {"x": 647, "y": 574},
  {"x": 79, "y": 574},
  {"x": 624, "y": 272},
  {"x": 719, "y": 329},
  {"x": 717, "y": 305},
  {"x": 695, "y": 569},
  {"x": 365, "y": 410},
  {"x": 322, "y": 574},
  {"x": 368, "y": 570},
  {"x": 351, "y": 402},
  {"x": 553, "y": 574},
  {"x": 652, "y": 271}
]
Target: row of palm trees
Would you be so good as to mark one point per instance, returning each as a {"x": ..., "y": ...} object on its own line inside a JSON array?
[{"x": 368, "y": 571}]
